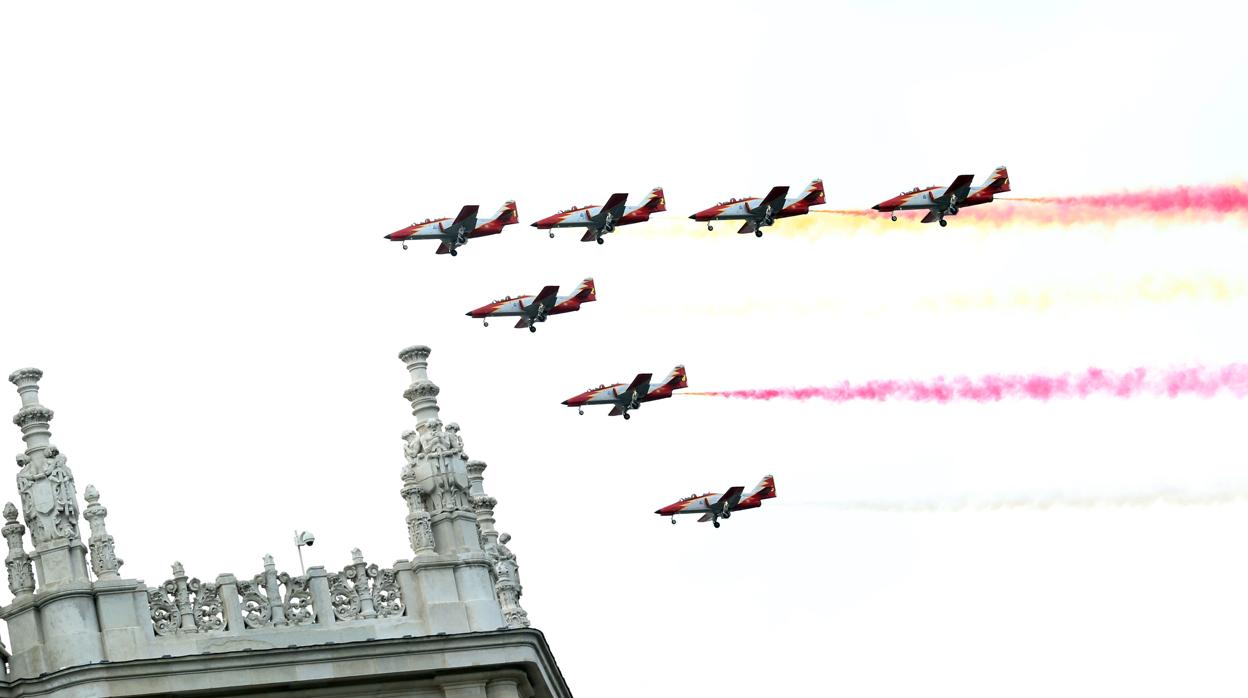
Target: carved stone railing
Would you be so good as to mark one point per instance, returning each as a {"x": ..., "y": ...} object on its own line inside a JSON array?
[{"x": 272, "y": 599}]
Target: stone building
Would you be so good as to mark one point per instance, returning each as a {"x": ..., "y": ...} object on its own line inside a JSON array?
[{"x": 445, "y": 622}]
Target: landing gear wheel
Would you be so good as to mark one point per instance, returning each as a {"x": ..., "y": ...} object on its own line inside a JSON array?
[
  {"x": 405, "y": 245},
  {"x": 758, "y": 233},
  {"x": 485, "y": 323},
  {"x": 580, "y": 411},
  {"x": 600, "y": 241},
  {"x": 715, "y": 524},
  {"x": 710, "y": 227},
  {"x": 943, "y": 222},
  {"x": 627, "y": 416},
  {"x": 532, "y": 328},
  {"x": 673, "y": 520},
  {"x": 552, "y": 235},
  {"x": 453, "y": 253},
  {"x": 894, "y": 219}
]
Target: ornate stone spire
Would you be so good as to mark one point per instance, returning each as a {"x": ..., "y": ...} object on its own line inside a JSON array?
[
  {"x": 104, "y": 560},
  {"x": 21, "y": 577},
  {"x": 422, "y": 393},
  {"x": 32, "y": 418},
  {"x": 49, "y": 498}
]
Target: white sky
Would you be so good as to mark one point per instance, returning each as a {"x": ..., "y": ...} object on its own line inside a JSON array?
[{"x": 190, "y": 244}]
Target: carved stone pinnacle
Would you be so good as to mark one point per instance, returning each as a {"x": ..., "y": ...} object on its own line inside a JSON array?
[
  {"x": 10, "y": 512},
  {"x": 417, "y": 352},
  {"x": 25, "y": 375}
]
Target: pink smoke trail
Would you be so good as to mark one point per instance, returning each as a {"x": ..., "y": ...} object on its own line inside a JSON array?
[
  {"x": 1197, "y": 203},
  {"x": 1198, "y": 381}
]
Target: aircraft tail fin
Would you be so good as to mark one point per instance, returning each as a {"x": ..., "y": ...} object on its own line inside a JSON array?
[
  {"x": 655, "y": 200},
  {"x": 813, "y": 194},
  {"x": 998, "y": 181},
  {"x": 586, "y": 291},
  {"x": 507, "y": 213},
  {"x": 766, "y": 489},
  {"x": 677, "y": 378}
]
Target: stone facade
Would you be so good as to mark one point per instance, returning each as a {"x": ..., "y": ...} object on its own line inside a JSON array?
[{"x": 445, "y": 622}]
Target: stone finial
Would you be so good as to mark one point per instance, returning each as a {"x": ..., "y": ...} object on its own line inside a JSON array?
[
  {"x": 104, "y": 560},
  {"x": 33, "y": 418},
  {"x": 21, "y": 577},
  {"x": 421, "y": 393}
]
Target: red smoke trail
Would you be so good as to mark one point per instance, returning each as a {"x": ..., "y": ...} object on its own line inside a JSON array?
[
  {"x": 1202, "y": 382},
  {"x": 1200, "y": 203}
]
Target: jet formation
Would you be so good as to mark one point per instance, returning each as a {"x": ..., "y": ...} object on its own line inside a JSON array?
[{"x": 756, "y": 213}]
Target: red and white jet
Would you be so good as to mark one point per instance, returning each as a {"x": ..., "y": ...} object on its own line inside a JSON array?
[
  {"x": 759, "y": 213},
  {"x": 624, "y": 398},
  {"x": 534, "y": 309},
  {"x": 600, "y": 220},
  {"x": 453, "y": 233},
  {"x": 945, "y": 201},
  {"x": 713, "y": 506}
]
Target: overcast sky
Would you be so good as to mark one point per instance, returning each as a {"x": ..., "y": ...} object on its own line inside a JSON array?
[{"x": 190, "y": 237}]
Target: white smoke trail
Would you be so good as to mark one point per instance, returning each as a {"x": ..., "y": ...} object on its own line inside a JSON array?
[{"x": 1045, "y": 502}]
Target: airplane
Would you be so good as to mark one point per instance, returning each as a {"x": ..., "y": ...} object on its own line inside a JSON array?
[
  {"x": 600, "y": 220},
  {"x": 946, "y": 201},
  {"x": 457, "y": 232},
  {"x": 534, "y": 309},
  {"x": 759, "y": 213},
  {"x": 713, "y": 506},
  {"x": 625, "y": 398}
]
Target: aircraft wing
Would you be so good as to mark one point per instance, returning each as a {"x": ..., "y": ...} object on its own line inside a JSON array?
[
  {"x": 640, "y": 385},
  {"x": 705, "y": 517},
  {"x": 614, "y": 206},
  {"x": 959, "y": 188},
  {"x": 465, "y": 214},
  {"x": 729, "y": 499},
  {"x": 932, "y": 216},
  {"x": 750, "y": 226},
  {"x": 444, "y": 247},
  {"x": 775, "y": 198},
  {"x": 546, "y": 297}
]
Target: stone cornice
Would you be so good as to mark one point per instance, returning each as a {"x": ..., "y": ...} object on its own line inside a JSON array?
[
  {"x": 423, "y": 389},
  {"x": 521, "y": 655}
]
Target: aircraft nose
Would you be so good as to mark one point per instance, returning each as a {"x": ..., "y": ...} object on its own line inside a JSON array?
[{"x": 876, "y": 207}]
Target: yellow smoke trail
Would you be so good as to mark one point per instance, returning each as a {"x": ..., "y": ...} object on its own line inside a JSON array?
[{"x": 1204, "y": 288}]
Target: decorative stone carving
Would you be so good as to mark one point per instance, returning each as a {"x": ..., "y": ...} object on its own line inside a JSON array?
[
  {"x": 386, "y": 596},
  {"x": 297, "y": 602},
  {"x": 164, "y": 612},
  {"x": 255, "y": 607},
  {"x": 49, "y": 500},
  {"x": 17, "y": 562},
  {"x": 343, "y": 598},
  {"x": 104, "y": 560},
  {"x": 507, "y": 585},
  {"x": 209, "y": 613},
  {"x": 423, "y": 390},
  {"x": 362, "y": 590},
  {"x": 436, "y": 467}
]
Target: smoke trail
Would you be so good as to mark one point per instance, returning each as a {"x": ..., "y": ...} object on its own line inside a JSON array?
[
  {"x": 1150, "y": 288},
  {"x": 1198, "y": 381},
  {"x": 1167, "y": 497},
  {"x": 1189, "y": 204}
]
